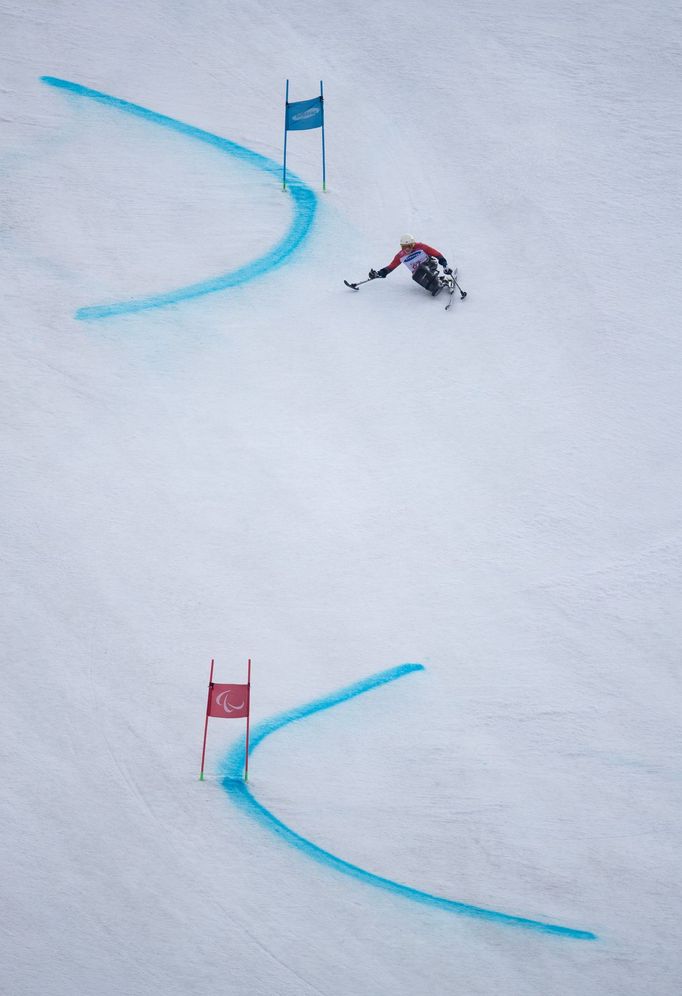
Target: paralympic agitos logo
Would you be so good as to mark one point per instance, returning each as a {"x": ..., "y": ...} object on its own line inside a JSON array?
[{"x": 222, "y": 700}]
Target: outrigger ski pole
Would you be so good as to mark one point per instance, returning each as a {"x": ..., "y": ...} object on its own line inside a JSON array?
[
  {"x": 451, "y": 278},
  {"x": 356, "y": 286}
]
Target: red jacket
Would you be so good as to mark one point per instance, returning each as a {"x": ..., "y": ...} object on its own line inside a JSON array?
[{"x": 414, "y": 257}]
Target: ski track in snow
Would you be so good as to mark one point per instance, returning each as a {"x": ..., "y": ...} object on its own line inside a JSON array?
[
  {"x": 305, "y": 205},
  {"x": 238, "y": 790}
]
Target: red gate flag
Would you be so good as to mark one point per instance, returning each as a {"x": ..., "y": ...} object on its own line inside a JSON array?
[{"x": 229, "y": 701}]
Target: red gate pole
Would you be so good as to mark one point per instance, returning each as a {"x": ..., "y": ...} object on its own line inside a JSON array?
[
  {"x": 208, "y": 703},
  {"x": 248, "y": 719}
]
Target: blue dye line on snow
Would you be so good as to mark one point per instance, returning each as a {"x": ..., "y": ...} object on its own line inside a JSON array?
[
  {"x": 232, "y": 772},
  {"x": 305, "y": 203}
]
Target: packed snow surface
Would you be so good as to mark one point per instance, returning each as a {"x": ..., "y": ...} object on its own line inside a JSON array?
[{"x": 449, "y": 542}]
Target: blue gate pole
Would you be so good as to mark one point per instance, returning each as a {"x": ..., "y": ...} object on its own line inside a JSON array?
[
  {"x": 284, "y": 168},
  {"x": 324, "y": 167}
]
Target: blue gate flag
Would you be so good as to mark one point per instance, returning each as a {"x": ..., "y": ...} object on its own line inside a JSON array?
[
  {"x": 304, "y": 114},
  {"x": 301, "y": 115}
]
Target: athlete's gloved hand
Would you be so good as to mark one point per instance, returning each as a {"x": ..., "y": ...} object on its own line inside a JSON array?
[
  {"x": 448, "y": 269},
  {"x": 383, "y": 272},
  {"x": 442, "y": 260},
  {"x": 372, "y": 274}
]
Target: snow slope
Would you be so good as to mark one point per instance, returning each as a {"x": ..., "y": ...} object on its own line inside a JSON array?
[{"x": 335, "y": 484}]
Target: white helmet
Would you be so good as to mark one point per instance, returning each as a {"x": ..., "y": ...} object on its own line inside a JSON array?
[{"x": 407, "y": 240}]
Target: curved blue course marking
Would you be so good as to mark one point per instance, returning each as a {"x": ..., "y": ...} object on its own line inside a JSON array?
[
  {"x": 232, "y": 772},
  {"x": 305, "y": 203}
]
